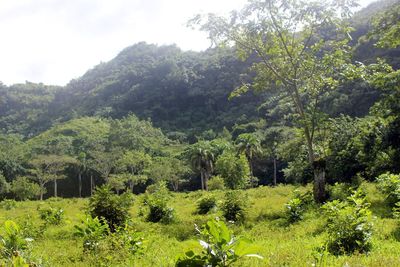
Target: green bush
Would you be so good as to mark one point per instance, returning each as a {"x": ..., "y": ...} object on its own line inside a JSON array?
[
  {"x": 216, "y": 183},
  {"x": 12, "y": 241},
  {"x": 23, "y": 189},
  {"x": 234, "y": 206},
  {"x": 296, "y": 206},
  {"x": 389, "y": 184},
  {"x": 8, "y": 204},
  {"x": 339, "y": 191},
  {"x": 51, "y": 215},
  {"x": 349, "y": 225},
  {"x": 206, "y": 204},
  {"x": 113, "y": 208},
  {"x": 157, "y": 204},
  {"x": 92, "y": 231},
  {"x": 220, "y": 247}
]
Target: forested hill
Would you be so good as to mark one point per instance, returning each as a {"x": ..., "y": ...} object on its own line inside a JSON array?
[{"x": 183, "y": 93}]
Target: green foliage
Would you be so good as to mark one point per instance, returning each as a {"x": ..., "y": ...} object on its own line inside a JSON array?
[
  {"x": 387, "y": 27},
  {"x": 233, "y": 169},
  {"x": 220, "y": 247},
  {"x": 339, "y": 191},
  {"x": 4, "y": 186},
  {"x": 51, "y": 215},
  {"x": 297, "y": 205},
  {"x": 92, "y": 231},
  {"x": 206, "y": 204},
  {"x": 11, "y": 240},
  {"x": 113, "y": 208},
  {"x": 389, "y": 184},
  {"x": 8, "y": 204},
  {"x": 349, "y": 225},
  {"x": 216, "y": 183},
  {"x": 234, "y": 206},
  {"x": 23, "y": 189},
  {"x": 157, "y": 204}
]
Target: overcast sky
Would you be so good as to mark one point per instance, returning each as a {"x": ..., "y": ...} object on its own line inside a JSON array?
[{"x": 54, "y": 41}]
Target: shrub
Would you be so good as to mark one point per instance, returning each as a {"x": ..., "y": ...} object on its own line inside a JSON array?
[
  {"x": 216, "y": 183},
  {"x": 206, "y": 204},
  {"x": 113, "y": 208},
  {"x": 157, "y": 204},
  {"x": 339, "y": 191},
  {"x": 296, "y": 206},
  {"x": 24, "y": 189},
  {"x": 127, "y": 240},
  {"x": 234, "y": 206},
  {"x": 92, "y": 231},
  {"x": 349, "y": 225},
  {"x": 220, "y": 247},
  {"x": 51, "y": 215},
  {"x": 12, "y": 241},
  {"x": 8, "y": 204},
  {"x": 389, "y": 184}
]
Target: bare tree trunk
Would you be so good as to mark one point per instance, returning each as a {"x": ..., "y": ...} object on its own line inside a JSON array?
[
  {"x": 251, "y": 167},
  {"x": 55, "y": 187},
  {"x": 206, "y": 176},
  {"x": 91, "y": 184},
  {"x": 80, "y": 184},
  {"x": 131, "y": 185},
  {"x": 274, "y": 171},
  {"x": 202, "y": 179},
  {"x": 319, "y": 180},
  {"x": 41, "y": 191}
]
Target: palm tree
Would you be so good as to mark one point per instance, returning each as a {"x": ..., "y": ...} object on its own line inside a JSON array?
[
  {"x": 202, "y": 160},
  {"x": 250, "y": 145}
]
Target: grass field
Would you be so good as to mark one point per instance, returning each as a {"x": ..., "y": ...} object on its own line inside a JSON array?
[{"x": 280, "y": 243}]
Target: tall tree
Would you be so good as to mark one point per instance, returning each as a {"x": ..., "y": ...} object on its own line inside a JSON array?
[{"x": 302, "y": 52}]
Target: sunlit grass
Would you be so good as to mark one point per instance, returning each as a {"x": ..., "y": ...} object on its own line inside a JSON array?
[{"x": 280, "y": 243}]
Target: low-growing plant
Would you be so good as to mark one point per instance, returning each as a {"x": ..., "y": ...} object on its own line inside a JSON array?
[
  {"x": 126, "y": 239},
  {"x": 92, "y": 231},
  {"x": 12, "y": 241},
  {"x": 234, "y": 206},
  {"x": 220, "y": 247},
  {"x": 297, "y": 205},
  {"x": 339, "y": 191},
  {"x": 157, "y": 205},
  {"x": 51, "y": 215},
  {"x": 206, "y": 204},
  {"x": 349, "y": 225},
  {"x": 8, "y": 204},
  {"x": 113, "y": 208}
]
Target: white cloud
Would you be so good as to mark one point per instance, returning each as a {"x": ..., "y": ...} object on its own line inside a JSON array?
[{"x": 53, "y": 41}]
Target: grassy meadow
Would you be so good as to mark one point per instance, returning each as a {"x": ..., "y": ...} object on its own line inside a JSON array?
[{"x": 280, "y": 243}]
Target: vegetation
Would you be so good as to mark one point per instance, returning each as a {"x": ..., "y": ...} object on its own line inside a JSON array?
[{"x": 296, "y": 94}]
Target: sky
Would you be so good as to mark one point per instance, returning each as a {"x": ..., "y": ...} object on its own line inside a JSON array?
[{"x": 54, "y": 41}]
